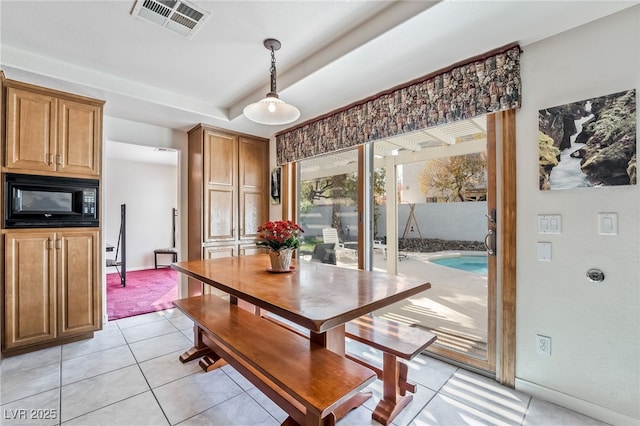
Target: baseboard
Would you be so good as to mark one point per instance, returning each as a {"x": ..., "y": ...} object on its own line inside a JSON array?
[{"x": 581, "y": 406}]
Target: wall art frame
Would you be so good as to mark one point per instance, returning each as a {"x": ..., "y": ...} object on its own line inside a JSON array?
[{"x": 588, "y": 143}]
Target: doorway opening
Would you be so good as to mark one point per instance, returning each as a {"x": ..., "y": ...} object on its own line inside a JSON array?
[{"x": 145, "y": 180}]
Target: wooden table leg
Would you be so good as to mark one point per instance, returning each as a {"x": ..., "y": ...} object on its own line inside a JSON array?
[
  {"x": 332, "y": 339},
  {"x": 394, "y": 387}
]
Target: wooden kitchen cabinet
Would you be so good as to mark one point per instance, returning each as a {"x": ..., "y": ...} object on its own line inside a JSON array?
[
  {"x": 52, "y": 286},
  {"x": 228, "y": 193},
  {"x": 50, "y": 131}
]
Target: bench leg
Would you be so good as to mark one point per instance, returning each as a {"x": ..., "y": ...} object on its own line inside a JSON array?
[
  {"x": 394, "y": 397},
  {"x": 312, "y": 420},
  {"x": 354, "y": 402},
  {"x": 211, "y": 361},
  {"x": 199, "y": 348}
]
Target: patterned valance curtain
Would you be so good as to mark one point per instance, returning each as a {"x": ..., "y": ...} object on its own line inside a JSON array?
[{"x": 484, "y": 84}]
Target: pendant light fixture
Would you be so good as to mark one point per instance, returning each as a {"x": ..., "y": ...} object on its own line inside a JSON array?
[{"x": 271, "y": 110}]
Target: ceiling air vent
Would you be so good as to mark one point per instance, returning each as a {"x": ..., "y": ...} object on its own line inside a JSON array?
[{"x": 176, "y": 15}]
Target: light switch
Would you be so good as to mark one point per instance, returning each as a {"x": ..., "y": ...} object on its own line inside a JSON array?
[
  {"x": 549, "y": 224},
  {"x": 608, "y": 223},
  {"x": 544, "y": 251}
]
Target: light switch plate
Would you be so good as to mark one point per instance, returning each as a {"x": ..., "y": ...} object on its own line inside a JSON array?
[
  {"x": 544, "y": 251},
  {"x": 549, "y": 224},
  {"x": 608, "y": 223}
]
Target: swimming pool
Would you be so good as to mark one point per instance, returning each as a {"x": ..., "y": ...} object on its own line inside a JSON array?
[{"x": 475, "y": 264}]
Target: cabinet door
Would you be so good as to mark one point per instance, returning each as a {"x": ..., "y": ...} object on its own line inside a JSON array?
[
  {"x": 220, "y": 187},
  {"x": 30, "y": 308},
  {"x": 79, "y": 296},
  {"x": 217, "y": 252},
  {"x": 248, "y": 249},
  {"x": 79, "y": 138},
  {"x": 31, "y": 131},
  {"x": 254, "y": 186}
]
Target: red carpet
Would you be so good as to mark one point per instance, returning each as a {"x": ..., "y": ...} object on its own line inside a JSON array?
[{"x": 146, "y": 291}]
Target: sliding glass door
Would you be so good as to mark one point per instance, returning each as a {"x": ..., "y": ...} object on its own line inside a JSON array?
[
  {"x": 328, "y": 208},
  {"x": 428, "y": 213}
]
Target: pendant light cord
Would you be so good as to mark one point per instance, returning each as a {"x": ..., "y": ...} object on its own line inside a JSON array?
[{"x": 273, "y": 71}]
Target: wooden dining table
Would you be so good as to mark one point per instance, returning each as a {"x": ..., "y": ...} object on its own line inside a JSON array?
[{"x": 318, "y": 297}]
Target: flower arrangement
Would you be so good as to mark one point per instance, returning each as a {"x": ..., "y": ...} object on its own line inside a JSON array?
[{"x": 279, "y": 235}]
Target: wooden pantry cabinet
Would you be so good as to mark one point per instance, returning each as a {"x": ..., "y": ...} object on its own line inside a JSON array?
[
  {"x": 52, "y": 286},
  {"x": 51, "y": 132},
  {"x": 228, "y": 193}
]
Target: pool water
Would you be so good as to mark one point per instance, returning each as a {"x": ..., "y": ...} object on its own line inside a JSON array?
[{"x": 475, "y": 264}]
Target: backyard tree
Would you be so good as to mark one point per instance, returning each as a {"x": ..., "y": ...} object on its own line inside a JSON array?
[
  {"x": 328, "y": 188},
  {"x": 452, "y": 179},
  {"x": 379, "y": 193},
  {"x": 338, "y": 189}
]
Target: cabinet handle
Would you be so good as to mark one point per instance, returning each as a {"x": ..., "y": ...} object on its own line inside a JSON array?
[
  {"x": 59, "y": 160},
  {"x": 58, "y": 243},
  {"x": 49, "y": 159},
  {"x": 49, "y": 244}
]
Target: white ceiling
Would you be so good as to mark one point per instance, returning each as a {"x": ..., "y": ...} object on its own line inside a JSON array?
[{"x": 333, "y": 52}]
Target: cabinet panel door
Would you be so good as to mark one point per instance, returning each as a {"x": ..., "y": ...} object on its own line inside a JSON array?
[
  {"x": 254, "y": 186},
  {"x": 30, "y": 308},
  {"x": 253, "y": 213},
  {"x": 217, "y": 252},
  {"x": 253, "y": 164},
  {"x": 249, "y": 249},
  {"x": 220, "y": 207},
  {"x": 220, "y": 215},
  {"x": 79, "y": 145},
  {"x": 221, "y": 158},
  {"x": 79, "y": 298},
  {"x": 31, "y": 131}
]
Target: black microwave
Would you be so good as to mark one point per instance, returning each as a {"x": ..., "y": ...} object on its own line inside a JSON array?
[{"x": 33, "y": 201}]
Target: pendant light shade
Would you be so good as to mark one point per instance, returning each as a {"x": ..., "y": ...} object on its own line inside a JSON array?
[{"x": 272, "y": 110}]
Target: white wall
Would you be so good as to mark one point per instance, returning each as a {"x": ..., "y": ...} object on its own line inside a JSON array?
[
  {"x": 594, "y": 365},
  {"x": 447, "y": 221},
  {"x": 149, "y": 191}
]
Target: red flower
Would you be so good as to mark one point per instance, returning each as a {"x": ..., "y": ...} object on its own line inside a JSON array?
[{"x": 279, "y": 235}]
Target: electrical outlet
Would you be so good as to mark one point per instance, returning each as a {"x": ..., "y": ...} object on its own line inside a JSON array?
[{"x": 543, "y": 345}]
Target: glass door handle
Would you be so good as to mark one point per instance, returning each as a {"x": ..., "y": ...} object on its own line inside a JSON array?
[{"x": 490, "y": 242}]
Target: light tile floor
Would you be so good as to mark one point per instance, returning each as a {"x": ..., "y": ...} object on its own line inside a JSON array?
[{"x": 129, "y": 374}]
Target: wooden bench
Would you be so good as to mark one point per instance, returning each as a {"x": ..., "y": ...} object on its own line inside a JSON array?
[
  {"x": 395, "y": 340},
  {"x": 312, "y": 384}
]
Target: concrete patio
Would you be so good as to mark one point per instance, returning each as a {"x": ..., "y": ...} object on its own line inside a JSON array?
[{"x": 455, "y": 308}]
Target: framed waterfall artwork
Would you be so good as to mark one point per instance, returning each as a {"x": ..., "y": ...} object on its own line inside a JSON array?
[
  {"x": 590, "y": 143},
  {"x": 275, "y": 186}
]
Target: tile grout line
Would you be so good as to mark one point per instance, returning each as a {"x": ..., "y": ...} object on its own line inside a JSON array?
[
  {"x": 151, "y": 389},
  {"x": 107, "y": 372}
]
